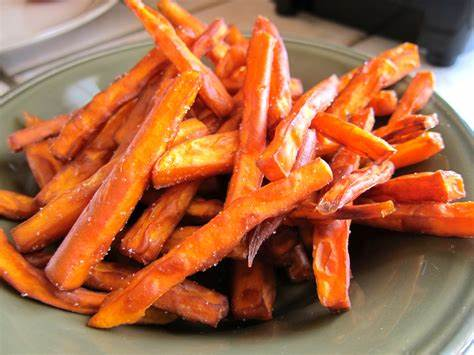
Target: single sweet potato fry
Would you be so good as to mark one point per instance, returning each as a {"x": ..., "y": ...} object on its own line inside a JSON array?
[
  {"x": 416, "y": 95},
  {"x": 31, "y": 282},
  {"x": 234, "y": 36},
  {"x": 178, "y": 236},
  {"x": 280, "y": 91},
  {"x": 253, "y": 290},
  {"x": 16, "y": 206},
  {"x": 42, "y": 163},
  {"x": 417, "y": 150},
  {"x": 87, "y": 120},
  {"x": 210, "y": 244},
  {"x": 438, "y": 186},
  {"x": 362, "y": 88},
  {"x": 145, "y": 239},
  {"x": 384, "y": 102},
  {"x": 196, "y": 159},
  {"x": 438, "y": 219},
  {"x": 278, "y": 158},
  {"x": 36, "y": 133},
  {"x": 365, "y": 211},
  {"x": 235, "y": 57},
  {"x": 409, "y": 127},
  {"x": 212, "y": 91},
  {"x": 91, "y": 236},
  {"x": 207, "y": 40},
  {"x": 88, "y": 161},
  {"x": 405, "y": 57},
  {"x": 351, "y": 186},
  {"x": 331, "y": 263},
  {"x": 352, "y": 137},
  {"x": 204, "y": 210}
]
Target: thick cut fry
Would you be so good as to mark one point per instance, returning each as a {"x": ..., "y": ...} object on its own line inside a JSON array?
[
  {"x": 361, "y": 89},
  {"x": 351, "y": 186},
  {"x": 366, "y": 211},
  {"x": 88, "y": 161},
  {"x": 42, "y": 163},
  {"x": 144, "y": 241},
  {"x": 438, "y": 186},
  {"x": 204, "y": 210},
  {"x": 407, "y": 128},
  {"x": 87, "y": 120},
  {"x": 280, "y": 92},
  {"x": 36, "y": 133},
  {"x": 438, "y": 219},
  {"x": 278, "y": 158},
  {"x": 417, "y": 150},
  {"x": 405, "y": 57},
  {"x": 91, "y": 236},
  {"x": 16, "y": 206},
  {"x": 31, "y": 282},
  {"x": 212, "y": 91},
  {"x": 253, "y": 290},
  {"x": 210, "y": 243},
  {"x": 384, "y": 102},
  {"x": 178, "y": 236},
  {"x": 246, "y": 176},
  {"x": 416, "y": 95},
  {"x": 331, "y": 263},
  {"x": 197, "y": 159},
  {"x": 352, "y": 137}
]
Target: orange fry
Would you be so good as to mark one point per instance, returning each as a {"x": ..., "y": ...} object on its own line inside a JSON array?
[
  {"x": 384, "y": 102},
  {"x": 210, "y": 244},
  {"x": 296, "y": 87},
  {"x": 31, "y": 282},
  {"x": 82, "y": 125},
  {"x": 234, "y": 36},
  {"x": 212, "y": 91},
  {"x": 197, "y": 159},
  {"x": 91, "y": 236},
  {"x": 178, "y": 236},
  {"x": 36, "y": 133},
  {"x": 204, "y": 210},
  {"x": 417, "y": 150},
  {"x": 280, "y": 92},
  {"x": 235, "y": 57},
  {"x": 278, "y": 158},
  {"x": 236, "y": 80},
  {"x": 416, "y": 95},
  {"x": 409, "y": 127},
  {"x": 253, "y": 290},
  {"x": 208, "y": 39},
  {"x": 405, "y": 57},
  {"x": 438, "y": 186},
  {"x": 438, "y": 219},
  {"x": 352, "y": 137},
  {"x": 351, "y": 186},
  {"x": 16, "y": 206},
  {"x": 366, "y": 211},
  {"x": 42, "y": 163}
]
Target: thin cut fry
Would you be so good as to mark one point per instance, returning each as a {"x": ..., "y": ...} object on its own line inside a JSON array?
[
  {"x": 82, "y": 125},
  {"x": 384, "y": 102},
  {"x": 36, "y": 133},
  {"x": 16, "y": 206},
  {"x": 91, "y": 236},
  {"x": 42, "y": 163},
  {"x": 351, "y": 186},
  {"x": 416, "y": 95},
  {"x": 366, "y": 211},
  {"x": 417, "y": 150},
  {"x": 278, "y": 158},
  {"x": 234, "y": 36},
  {"x": 235, "y": 57},
  {"x": 178, "y": 236},
  {"x": 253, "y": 290},
  {"x": 210, "y": 243},
  {"x": 438, "y": 219},
  {"x": 204, "y": 210},
  {"x": 409, "y": 127},
  {"x": 212, "y": 91},
  {"x": 438, "y": 186}
]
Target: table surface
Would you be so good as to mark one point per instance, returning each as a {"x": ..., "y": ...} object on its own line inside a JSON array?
[{"x": 119, "y": 26}]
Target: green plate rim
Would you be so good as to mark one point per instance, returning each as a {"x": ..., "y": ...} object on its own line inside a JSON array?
[{"x": 454, "y": 339}]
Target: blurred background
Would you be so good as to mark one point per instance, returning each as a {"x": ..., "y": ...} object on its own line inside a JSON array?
[{"x": 39, "y": 35}]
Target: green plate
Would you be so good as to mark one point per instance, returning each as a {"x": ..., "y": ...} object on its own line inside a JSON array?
[{"x": 410, "y": 293}]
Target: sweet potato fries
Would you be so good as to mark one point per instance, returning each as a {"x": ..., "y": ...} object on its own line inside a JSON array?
[{"x": 164, "y": 174}]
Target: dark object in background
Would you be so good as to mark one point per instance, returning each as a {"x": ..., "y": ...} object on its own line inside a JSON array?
[{"x": 442, "y": 27}]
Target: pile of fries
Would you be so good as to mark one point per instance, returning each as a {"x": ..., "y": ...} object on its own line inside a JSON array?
[{"x": 176, "y": 166}]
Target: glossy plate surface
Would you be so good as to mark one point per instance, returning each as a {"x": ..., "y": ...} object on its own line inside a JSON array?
[
  {"x": 23, "y": 23},
  {"x": 409, "y": 293}
]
